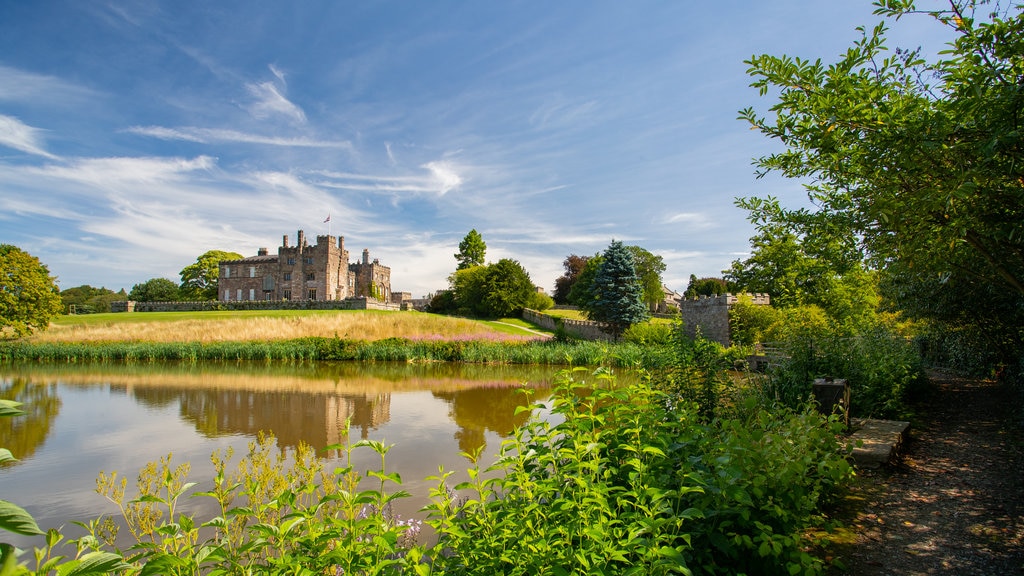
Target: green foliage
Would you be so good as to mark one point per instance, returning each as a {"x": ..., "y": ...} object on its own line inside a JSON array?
[
  {"x": 493, "y": 291},
  {"x": 705, "y": 287},
  {"x": 199, "y": 279},
  {"x": 155, "y": 290},
  {"x": 574, "y": 265},
  {"x": 88, "y": 300},
  {"x": 582, "y": 292},
  {"x": 750, "y": 324},
  {"x": 883, "y": 368},
  {"x": 539, "y": 301},
  {"x": 916, "y": 162},
  {"x": 650, "y": 334},
  {"x": 649, "y": 268},
  {"x": 617, "y": 292},
  {"x": 29, "y": 296},
  {"x": 631, "y": 483},
  {"x": 472, "y": 251}
]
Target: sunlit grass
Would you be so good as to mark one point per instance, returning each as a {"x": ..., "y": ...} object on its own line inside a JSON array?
[{"x": 222, "y": 326}]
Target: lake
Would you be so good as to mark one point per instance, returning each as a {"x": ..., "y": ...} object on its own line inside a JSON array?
[{"x": 84, "y": 419}]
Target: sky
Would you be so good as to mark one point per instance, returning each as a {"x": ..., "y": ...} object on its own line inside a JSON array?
[{"x": 136, "y": 135}]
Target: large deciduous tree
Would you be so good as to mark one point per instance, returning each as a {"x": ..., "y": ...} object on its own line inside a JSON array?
[
  {"x": 493, "y": 291},
  {"x": 573, "y": 265},
  {"x": 86, "y": 299},
  {"x": 618, "y": 297},
  {"x": 918, "y": 161},
  {"x": 472, "y": 251},
  {"x": 199, "y": 279},
  {"x": 155, "y": 290},
  {"x": 648, "y": 268},
  {"x": 29, "y": 296}
]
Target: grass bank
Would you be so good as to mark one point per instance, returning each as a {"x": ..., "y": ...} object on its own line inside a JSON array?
[
  {"x": 541, "y": 352},
  {"x": 268, "y": 325}
]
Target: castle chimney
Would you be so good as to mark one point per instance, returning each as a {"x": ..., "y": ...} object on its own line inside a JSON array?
[
  {"x": 366, "y": 255},
  {"x": 261, "y": 252},
  {"x": 284, "y": 241},
  {"x": 302, "y": 239}
]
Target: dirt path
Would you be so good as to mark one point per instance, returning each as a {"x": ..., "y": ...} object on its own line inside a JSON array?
[{"x": 955, "y": 505}]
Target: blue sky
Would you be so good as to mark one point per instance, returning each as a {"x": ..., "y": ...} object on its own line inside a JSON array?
[{"x": 136, "y": 135}]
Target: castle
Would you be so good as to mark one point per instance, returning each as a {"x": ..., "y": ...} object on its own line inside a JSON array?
[{"x": 305, "y": 272}]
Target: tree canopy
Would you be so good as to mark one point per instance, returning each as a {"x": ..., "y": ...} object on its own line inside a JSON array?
[
  {"x": 199, "y": 279},
  {"x": 89, "y": 300},
  {"x": 573, "y": 265},
  {"x": 913, "y": 165},
  {"x": 472, "y": 250},
  {"x": 648, "y": 268},
  {"x": 618, "y": 297},
  {"x": 705, "y": 287},
  {"x": 155, "y": 290},
  {"x": 493, "y": 291},
  {"x": 29, "y": 296}
]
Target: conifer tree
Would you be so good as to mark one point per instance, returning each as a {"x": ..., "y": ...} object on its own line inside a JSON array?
[{"x": 618, "y": 302}]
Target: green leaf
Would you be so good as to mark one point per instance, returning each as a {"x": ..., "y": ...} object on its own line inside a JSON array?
[
  {"x": 93, "y": 563},
  {"x": 15, "y": 519}
]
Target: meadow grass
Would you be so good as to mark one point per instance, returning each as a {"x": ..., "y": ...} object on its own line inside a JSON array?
[{"x": 267, "y": 325}]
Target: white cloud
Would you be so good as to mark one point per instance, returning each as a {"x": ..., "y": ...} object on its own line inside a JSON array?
[
  {"x": 20, "y": 86},
  {"x": 270, "y": 100},
  {"x": 214, "y": 135},
  {"x": 693, "y": 220},
  {"x": 445, "y": 176},
  {"x": 20, "y": 136}
]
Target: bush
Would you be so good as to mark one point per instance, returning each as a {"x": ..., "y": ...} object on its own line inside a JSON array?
[{"x": 633, "y": 483}]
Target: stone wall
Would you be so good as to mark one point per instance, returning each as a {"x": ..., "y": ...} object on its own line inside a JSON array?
[
  {"x": 711, "y": 315},
  {"x": 347, "y": 304},
  {"x": 581, "y": 328}
]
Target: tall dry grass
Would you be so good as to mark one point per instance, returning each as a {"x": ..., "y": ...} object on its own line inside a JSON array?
[{"x": 349, "y": 325}]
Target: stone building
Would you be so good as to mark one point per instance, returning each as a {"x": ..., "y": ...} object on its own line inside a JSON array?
[{"x": 304, "y": 271}]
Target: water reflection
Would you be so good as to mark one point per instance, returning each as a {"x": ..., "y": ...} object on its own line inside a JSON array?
[
  {"x": 319, "y": 404},
  {"x": 25, "y": 434}
]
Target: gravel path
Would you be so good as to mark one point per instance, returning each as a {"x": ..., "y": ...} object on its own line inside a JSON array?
[{"x": 955, "y": 504}]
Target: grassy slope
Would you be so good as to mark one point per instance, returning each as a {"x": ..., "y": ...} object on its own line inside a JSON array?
[{"x": 220, "y": 326}]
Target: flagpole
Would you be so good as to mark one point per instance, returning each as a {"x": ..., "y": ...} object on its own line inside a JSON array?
[{"x": 328, "y": 221}]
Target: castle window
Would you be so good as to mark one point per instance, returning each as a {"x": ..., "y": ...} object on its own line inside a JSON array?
[
  {"x": 239, "y": 294},
  {"x": 287, "y": 276},
  {"x": 227, "y": 272},
  {"x": 312, "y": 293},
  {"x": 227, "y": 295},
  {"x": 291, "y": 261},
  {"x": 311, "y": 276},
  {"x": 309, "y": 260},
  {"x": 252, "y": 271},
  {"x": 252, "y": 293}
]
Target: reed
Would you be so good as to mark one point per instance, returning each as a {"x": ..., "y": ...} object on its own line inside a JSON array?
[{"x": 536, "y": 352}]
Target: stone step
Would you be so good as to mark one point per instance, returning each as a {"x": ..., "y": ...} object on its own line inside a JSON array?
[{"x": 876, "y": 442}]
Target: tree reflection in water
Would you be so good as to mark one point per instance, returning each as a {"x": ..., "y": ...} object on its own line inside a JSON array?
[{"x": 23, "y": 435}]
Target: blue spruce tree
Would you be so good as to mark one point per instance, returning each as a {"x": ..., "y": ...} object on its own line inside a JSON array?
[{"x": 618, "y": 297}]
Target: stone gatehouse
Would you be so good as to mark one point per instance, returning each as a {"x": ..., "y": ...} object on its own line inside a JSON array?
[{"x": 304, "y": 271}]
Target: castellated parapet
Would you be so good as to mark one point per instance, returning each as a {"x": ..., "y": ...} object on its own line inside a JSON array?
[
  {"x": 711, "y": 315},
  {"x": 304, "y": 271}
]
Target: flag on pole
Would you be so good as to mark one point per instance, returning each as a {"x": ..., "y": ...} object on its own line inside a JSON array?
[{"x": 328, "y": 218}]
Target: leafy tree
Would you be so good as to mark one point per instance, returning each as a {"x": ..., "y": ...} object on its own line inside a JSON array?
[
  {"x": 916, "y": 162},
  {"x": 618, "y": 302},
  {"x": 493, "y": 291},
  {"x": 199, "y": 279},
  {"x": 582, "y": 292},
  {"x": 89, "y": 300},
  {"x": 29, "y": 296},
  {"x": 471, "y": 250},
  {"x": 155, "y": 290},
  {"x": 563, "y": 284},
  {"x": 508, "y": 289},
  {"x": 648, "y": 270},
  {"x": 705, "y": 287}
]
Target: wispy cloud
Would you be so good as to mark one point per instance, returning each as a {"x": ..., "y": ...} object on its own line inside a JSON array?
[
  {"x": 21, "y": 86},
  {"x": 20, "y": 136},
  {"x": 694, "y": 220},
  {"x": 215, "y": 135},
  {"x": 271, "y": 101},
  {"x": 440, "y": 178}
]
